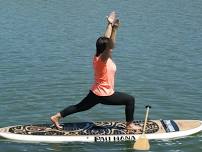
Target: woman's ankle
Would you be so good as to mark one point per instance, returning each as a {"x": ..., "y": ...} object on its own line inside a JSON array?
[
  {"x": 58, "y": 115},
  {"x": 129, "y": 123}
]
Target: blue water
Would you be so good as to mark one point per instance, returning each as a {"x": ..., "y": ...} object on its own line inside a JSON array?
[{"x": 46, "y": 49}]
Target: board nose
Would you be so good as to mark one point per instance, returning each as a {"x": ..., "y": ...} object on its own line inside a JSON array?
[{"x": 201, "y": 125}]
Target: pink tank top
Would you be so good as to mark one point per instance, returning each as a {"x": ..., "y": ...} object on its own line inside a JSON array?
[{"x": 104, "y": 74}]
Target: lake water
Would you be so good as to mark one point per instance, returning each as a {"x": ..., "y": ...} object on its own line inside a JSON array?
[{"x": 46, "y": 49}]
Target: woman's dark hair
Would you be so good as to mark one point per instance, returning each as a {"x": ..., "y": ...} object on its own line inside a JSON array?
[{"x": 102, "y": 44}]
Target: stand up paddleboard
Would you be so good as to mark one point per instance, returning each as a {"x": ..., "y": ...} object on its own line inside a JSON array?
[{"x": 104, "y": 131}]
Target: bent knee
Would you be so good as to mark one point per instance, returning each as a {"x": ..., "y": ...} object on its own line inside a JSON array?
[{"x": 131, "y": 100}]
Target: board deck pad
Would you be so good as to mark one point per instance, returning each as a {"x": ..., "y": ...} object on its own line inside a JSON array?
[
  {"x": 84, "y": 128},
  {"x": 103, "y": 131}
]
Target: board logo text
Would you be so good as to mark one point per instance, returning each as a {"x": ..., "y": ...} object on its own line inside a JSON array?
[{"x": 113, "y": 138}]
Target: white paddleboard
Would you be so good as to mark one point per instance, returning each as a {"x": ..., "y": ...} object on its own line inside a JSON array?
[{"x": 103, "y": 131}]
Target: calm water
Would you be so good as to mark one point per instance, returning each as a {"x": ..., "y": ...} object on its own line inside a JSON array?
[{"x": 46, "y": 47}]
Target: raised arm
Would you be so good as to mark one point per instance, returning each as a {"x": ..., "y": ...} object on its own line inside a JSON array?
[
  {"x": 114, "y": 31},
  {"x": 108, "y": 31},
  {"x": 111, "y": 19},
  {"x": 111, "y": 34}
]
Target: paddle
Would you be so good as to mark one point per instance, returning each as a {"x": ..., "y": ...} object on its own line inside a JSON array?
[{"x": 142, "y": 143}]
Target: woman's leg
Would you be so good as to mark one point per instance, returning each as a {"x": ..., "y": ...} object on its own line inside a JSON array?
[
  {"x": 88, "y": 102},
  {"x": 119, "y": 98}
]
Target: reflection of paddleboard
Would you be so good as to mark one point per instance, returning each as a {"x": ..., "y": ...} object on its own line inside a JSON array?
[{"x": 104, "y": 131}]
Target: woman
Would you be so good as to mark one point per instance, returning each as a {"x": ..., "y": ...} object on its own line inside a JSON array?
[{"x": 102, "y": 91}]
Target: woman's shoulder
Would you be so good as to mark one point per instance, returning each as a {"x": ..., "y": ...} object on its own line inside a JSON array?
[{"x": 99, "y": 60}]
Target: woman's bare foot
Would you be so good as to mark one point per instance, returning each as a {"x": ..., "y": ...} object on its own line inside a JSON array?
[
  {"x": 132, "y": 126},
  {"x": 55, "y": 120}
]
